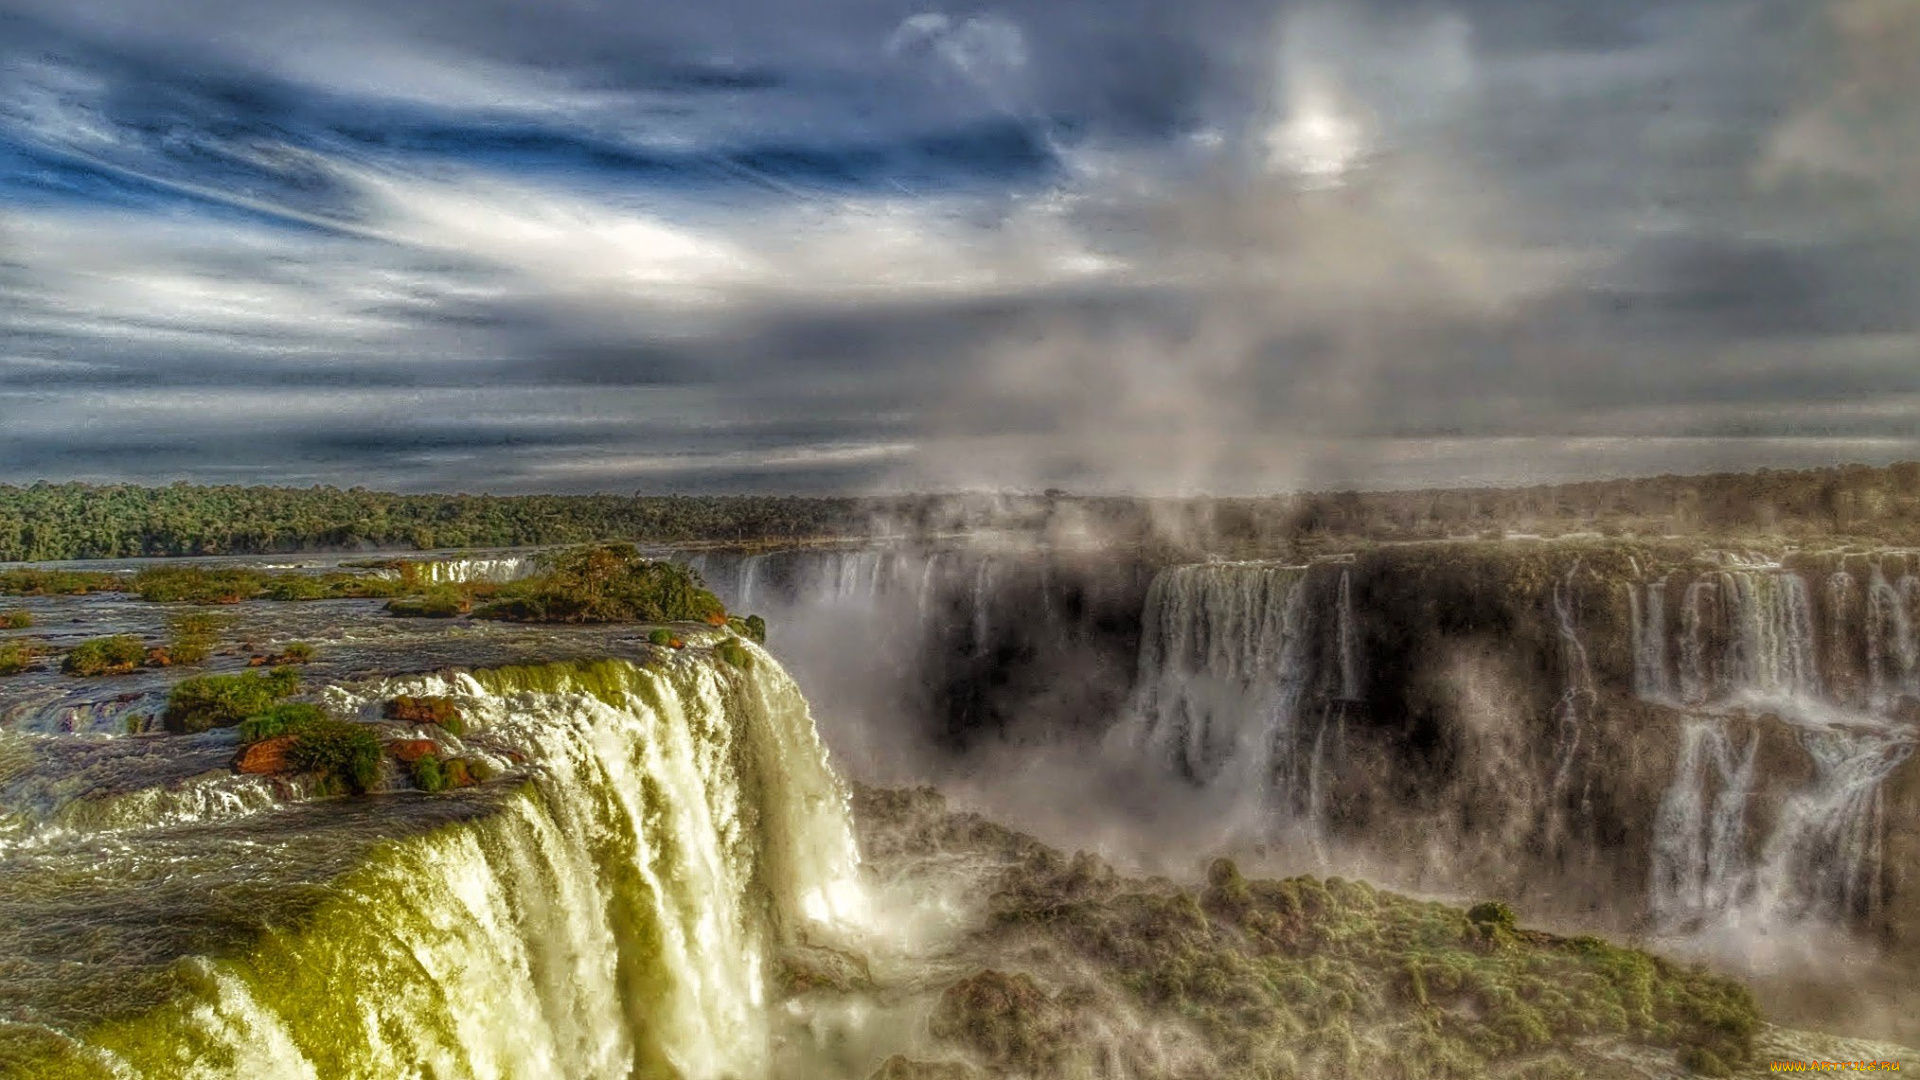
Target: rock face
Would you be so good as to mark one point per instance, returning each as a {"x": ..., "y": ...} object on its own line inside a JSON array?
[
  {"x": 412, "y": 750},
  {"x": 268, "y": 757},
  {"x": 1902, "y": 817}
]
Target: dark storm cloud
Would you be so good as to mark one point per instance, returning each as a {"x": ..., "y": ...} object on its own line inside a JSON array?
[{"x": 1221, "y": 246}]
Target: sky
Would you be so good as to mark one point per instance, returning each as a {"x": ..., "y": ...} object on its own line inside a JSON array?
[{"x": 864, "y": 245}]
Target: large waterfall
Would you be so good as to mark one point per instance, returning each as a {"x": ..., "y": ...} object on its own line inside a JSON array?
[
  {"x": 1247, "y": 684},
  {"x": 615, "y": 915},
  {"x": 1746, "y": 651},
  {"x": 1230, "y": 695}
]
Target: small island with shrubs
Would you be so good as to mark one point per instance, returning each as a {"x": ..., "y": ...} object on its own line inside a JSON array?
[{"x": 593, "y": 584}]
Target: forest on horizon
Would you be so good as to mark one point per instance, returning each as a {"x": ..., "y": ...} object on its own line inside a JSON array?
[{"x": 47, "y": 521}]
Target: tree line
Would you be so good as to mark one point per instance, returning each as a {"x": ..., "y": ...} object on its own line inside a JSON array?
[{"x": 82, "y": 521}]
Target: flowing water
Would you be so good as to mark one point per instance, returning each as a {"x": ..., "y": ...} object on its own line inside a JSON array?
[
  {"x": 1748, "y": 651},
  {"x": 611, "y": 906}
]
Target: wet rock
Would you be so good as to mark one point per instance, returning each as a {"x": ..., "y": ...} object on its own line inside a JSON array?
[
  {"x": 412, "y": 750},
  {"x": 1007, "y": 1019},
  {"x": 268, "y": 757},
  {"x": 816, "y": 967},
  {"x": 438, "y": 711},
  {"x": 1901, "y": 907}
]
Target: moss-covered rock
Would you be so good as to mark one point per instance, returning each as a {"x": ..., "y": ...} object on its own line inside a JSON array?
[
  {"x": 214, "y": 701},
  {"x": 1299, "y": 977},
  {"x": 116, "y": 655},
  {"x": 1008, "y": 1020},
  {"x": 441, "y": 712},
  {"x": 19, "y": 655},
  {"x": 343, "y": 756},
  {"x": 609, "y": 583},
  {"x": 281, "y": 718}
]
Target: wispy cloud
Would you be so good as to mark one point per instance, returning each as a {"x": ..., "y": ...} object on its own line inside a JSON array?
[{"x": 718, "y": 246}]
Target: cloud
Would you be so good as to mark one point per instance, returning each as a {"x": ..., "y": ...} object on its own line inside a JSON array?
[{"x": 1242, "y": 247}]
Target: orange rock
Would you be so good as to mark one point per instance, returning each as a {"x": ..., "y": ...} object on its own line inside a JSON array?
[
  {"x": 268, "y": 757},
  {"x": 718, "y": 618},
  {"x": 159, "y": 657},
  {"x": 412, "y": 750}
]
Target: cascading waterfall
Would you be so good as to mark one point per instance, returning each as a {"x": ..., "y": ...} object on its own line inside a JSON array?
[
  {"x": 1822, "y": 861},
  {"x": 1223, "y": 670},
  {"x": 613, "y": 917},
  {"x": 982, "y": 606},
  {"x": 1748, "y": 646},
  {"x": 1576, "y": 702},
  {"x": 1701, "y": 866},
  {"x": 1743, "y": 632},
  {"x": 467, "y": 570},
  {"x": 1348, "y": 637},
  {"x": 1652, "y": 675},
  {"x": 1893, "y": 654}
]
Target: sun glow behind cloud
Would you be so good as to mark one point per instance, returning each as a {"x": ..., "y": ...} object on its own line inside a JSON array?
[{"x": 1256, "y": 246}]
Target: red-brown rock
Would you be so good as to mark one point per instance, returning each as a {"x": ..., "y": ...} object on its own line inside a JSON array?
[
  {"x": 412, "y": 750},
  {"x": 268, "y": 757}
]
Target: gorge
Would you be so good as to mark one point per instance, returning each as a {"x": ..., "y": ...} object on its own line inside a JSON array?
[{"x": 1704, "y": 750}]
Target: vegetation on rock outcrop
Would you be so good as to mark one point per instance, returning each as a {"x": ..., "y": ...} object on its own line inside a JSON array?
[
  {"x": 1303, "y": 977},
  {"x": 115, "y": 655},
  {"x": 18, "y": 655},
  {"x": 344, "y": 756},
  {"x": 214, "y": 701},
  {"x": 442, "y": 712},
  {"x": 608, "y": 583}
]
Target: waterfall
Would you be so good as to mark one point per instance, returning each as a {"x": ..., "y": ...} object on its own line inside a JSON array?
[
  {"x": 751, "y": 569},
  {"x": 1223, "y": 669},
  {"x": 1750, "y": 644},
  {"x": 1893, "y": 654},
  {"x": 613, "y": 916},
  {"x": 1744, "y": 632},
  {"x": 1576, "y": 702},
  {"x": 1349, "y": 640},
  {"x": 1700, "y": 864},
  {"x": 1823, "y": 860},
  {"x": 466, "y": 569},
  {"x": 1696, "y": 676},
  {"x": 1652, "y": 677}
]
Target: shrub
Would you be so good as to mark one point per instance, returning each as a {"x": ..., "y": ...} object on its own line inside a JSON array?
[
  {"x": 445, "y": 602},
  {"x": 212, "y": 701},
  {"x": 192, "y": 636},
  {"x": 734, "y": 653},
  {"x": 296, "y": 652},
  {"x": 660, "y": 636},
  {"x": 429, "y": 775},
  {"x": 58, "y": 582},
  {"x": 331, "y": 586},
  {"x": 606, "y": 584},
  {"x": 757, "y": 629},
  {"x": 345, "y": 756},
  {"x": 439, "y": 711},
  {"x": 198, "y": 585},
  {"x": 114, "y": 655},
  {"x": 20, "y": 654},
  {"x": 16, "y": 619},
  {"x": 1492, "y": 918},
  {"x": 283, "y": 718}
]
